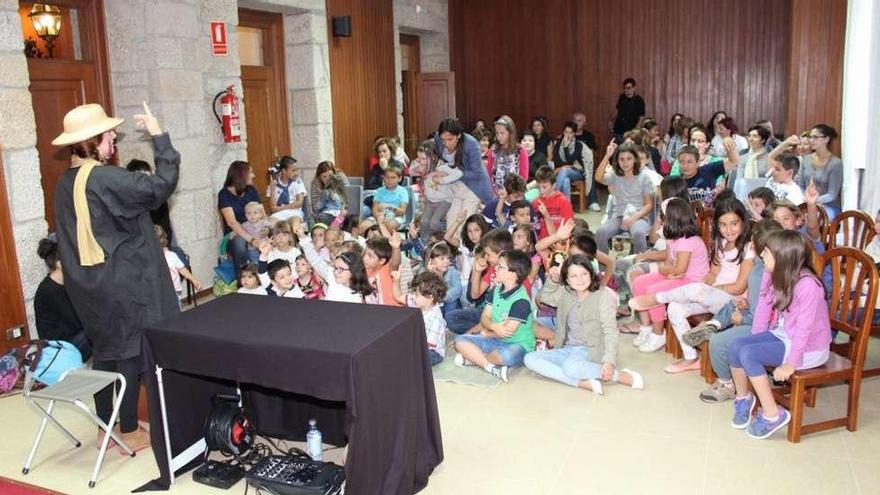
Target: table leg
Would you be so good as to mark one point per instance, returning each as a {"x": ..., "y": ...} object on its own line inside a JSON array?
[{"x": 193, "y": 451}]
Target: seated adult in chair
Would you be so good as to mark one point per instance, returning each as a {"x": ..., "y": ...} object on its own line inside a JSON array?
[{"x": 238, "y": 190}]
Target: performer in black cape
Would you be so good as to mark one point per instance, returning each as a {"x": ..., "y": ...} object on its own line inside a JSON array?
[{"x": 114, "y": 270}]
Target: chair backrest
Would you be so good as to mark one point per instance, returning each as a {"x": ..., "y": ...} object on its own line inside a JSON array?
[
  {"x": 853, "y": 296},
  {"x": 356, "y": 181},
  {"x": 410, "y": 206},
  {"x": 704, "y": 223},
  {"x": 353, "y": 199},
  {"x": 823, "y": 221},
  {"x": 855, "y": 228}
]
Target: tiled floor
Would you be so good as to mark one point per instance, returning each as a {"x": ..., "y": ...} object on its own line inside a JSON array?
[{"x": 533, "y": 437}]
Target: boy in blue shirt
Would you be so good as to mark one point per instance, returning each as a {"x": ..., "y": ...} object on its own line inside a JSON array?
[{"x": 391, "y": 200}]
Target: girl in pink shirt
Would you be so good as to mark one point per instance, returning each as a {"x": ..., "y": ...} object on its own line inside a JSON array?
[
  {"x": 687, "y": 261},
  {"x": 732, "y": 260},
  {"x": 791, "y": 330},
  {"x": 507, "y": 156}
]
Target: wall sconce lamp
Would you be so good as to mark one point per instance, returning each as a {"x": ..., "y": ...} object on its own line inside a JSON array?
[{"x": 47, "y": 23}]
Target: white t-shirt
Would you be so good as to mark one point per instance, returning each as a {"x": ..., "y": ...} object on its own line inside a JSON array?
[
  {"x": 294, "y": 188},
  {"x": 729, "y": 267},
  {"x": 791, "y": 192},
  {"x": 290, "y": 256},
  {"x": 260, "y": 291},
  {"x": 174, "y": 264}
]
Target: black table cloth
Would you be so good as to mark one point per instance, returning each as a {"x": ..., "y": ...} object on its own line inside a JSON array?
[{"x": 360, "y": 370}]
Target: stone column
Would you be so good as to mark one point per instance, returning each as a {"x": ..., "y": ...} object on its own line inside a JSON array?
[
  {"x": 21, "y": 164},
  {"x": 308, "y": 83}
]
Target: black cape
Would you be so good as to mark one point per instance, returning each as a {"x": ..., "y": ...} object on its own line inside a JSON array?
[{"x": 132, "y": 288}]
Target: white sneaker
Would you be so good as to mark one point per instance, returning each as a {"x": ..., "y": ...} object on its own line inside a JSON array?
[
  {"x": 595, "y": 207},
  {"x": 653, "y": 343},
  {"x": 461, "y": 361},
  {"x": 638, "y": 381},
  {"x": 644, "y": 331},
  {"x": 596, "y": 386}
]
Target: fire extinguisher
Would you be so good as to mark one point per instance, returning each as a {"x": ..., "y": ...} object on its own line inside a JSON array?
[{"x": 229, "y": 118}]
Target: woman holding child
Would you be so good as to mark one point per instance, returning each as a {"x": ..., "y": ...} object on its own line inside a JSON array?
[{"x": 238, "y": 190}]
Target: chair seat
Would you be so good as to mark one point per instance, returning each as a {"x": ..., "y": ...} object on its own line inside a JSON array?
[
  {"x": 79, "y": 384},
  {"x": 836, "y": 365}
]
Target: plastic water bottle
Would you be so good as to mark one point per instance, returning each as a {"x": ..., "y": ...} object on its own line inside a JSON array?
[{"x": 313, "y": 439}]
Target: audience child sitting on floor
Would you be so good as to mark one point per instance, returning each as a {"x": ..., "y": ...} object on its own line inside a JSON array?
[
  {"x": 438, "y": 260},
  {"x": 504, "y": 334},
  {"x": 381, "y": 257},
  {"x": 584, "y": 353},
  {"x": 475, "y": 227},
  {"x": 276, "y": 276},
  {"x": 553, "y": 206},
  {"x": 175, "y": 266},
  {"x": 284, "y": 242},
  {"x": 481, "y": 280},
  {"x": 249, "y": 280},
  {"x": 759, "y": 203},
  {"x": 345, "y": 279},
  {"x": 427, "y": 292},
  {"x": 496, "y": 210},
  {"x": 307, "y": 281}
]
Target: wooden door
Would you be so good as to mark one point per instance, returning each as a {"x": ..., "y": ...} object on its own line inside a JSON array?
[
  {"x": 261, "y": 37},
  {"x": 436, "y": 99},
  {"x": 56, "y": 88},
  {"x": 11, "y": 298},
  {"x": 64, "y": 82}
]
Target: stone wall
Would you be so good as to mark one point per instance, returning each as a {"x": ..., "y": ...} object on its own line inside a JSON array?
[
  {"x": 21, "y": 167},
  {"x": 429, "y": 20},
  {"x": 160, "y": 52}
]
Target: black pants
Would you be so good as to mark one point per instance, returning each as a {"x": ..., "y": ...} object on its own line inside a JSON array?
[{"x": 129, "y": 368}]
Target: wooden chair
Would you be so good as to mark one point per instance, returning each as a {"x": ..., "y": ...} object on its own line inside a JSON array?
[
  {"x": 855, "y": 282},
  {"x": 579, "y": 189},
  {"x": 869, "y": 372},
  {"x": 823, "y": 221},
  {"x": 855, "y": 227},
  {"x": 704, "y": 223}
]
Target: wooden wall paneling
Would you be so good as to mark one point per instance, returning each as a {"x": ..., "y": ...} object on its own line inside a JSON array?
[
  {"x": 363, "y": 81},
  {"x": 516, "y": 57},
  {"x": 815, "y": 65},
  {"x": 11, "y": 297}
]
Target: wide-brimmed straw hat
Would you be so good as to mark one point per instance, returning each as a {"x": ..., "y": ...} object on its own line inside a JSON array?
[{"x": 85, "y": 121}]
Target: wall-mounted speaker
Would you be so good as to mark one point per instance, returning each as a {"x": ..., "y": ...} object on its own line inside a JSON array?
[{"x": 342, "y": 26}]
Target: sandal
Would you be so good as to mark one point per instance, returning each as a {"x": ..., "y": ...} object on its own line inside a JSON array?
[{"x": 631, "y": 328}]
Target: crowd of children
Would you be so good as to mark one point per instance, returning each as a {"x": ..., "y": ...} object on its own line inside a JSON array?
[{"x": 521, "y": 282}]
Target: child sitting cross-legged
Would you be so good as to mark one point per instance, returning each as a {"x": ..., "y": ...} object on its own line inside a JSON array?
[
  {"x": 791, "y": 331},
  {"x": 505, "y": 329},
  {"x": 428, "y": 290},
  {"x": 276, "y": 275},
  {"x": 584, "y": 353}
]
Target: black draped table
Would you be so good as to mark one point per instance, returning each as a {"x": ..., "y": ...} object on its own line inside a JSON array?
[{"x": 360, "y": 370}]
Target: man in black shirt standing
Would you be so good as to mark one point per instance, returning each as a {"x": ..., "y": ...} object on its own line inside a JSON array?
[{"x": 629, "y": 109}]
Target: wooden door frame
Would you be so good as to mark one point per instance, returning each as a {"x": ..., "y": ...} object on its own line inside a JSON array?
[
  {"x": 409, "y": 88},
  {"x": 272, "y": 25},
  {"x": 19, "y": 312}
]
